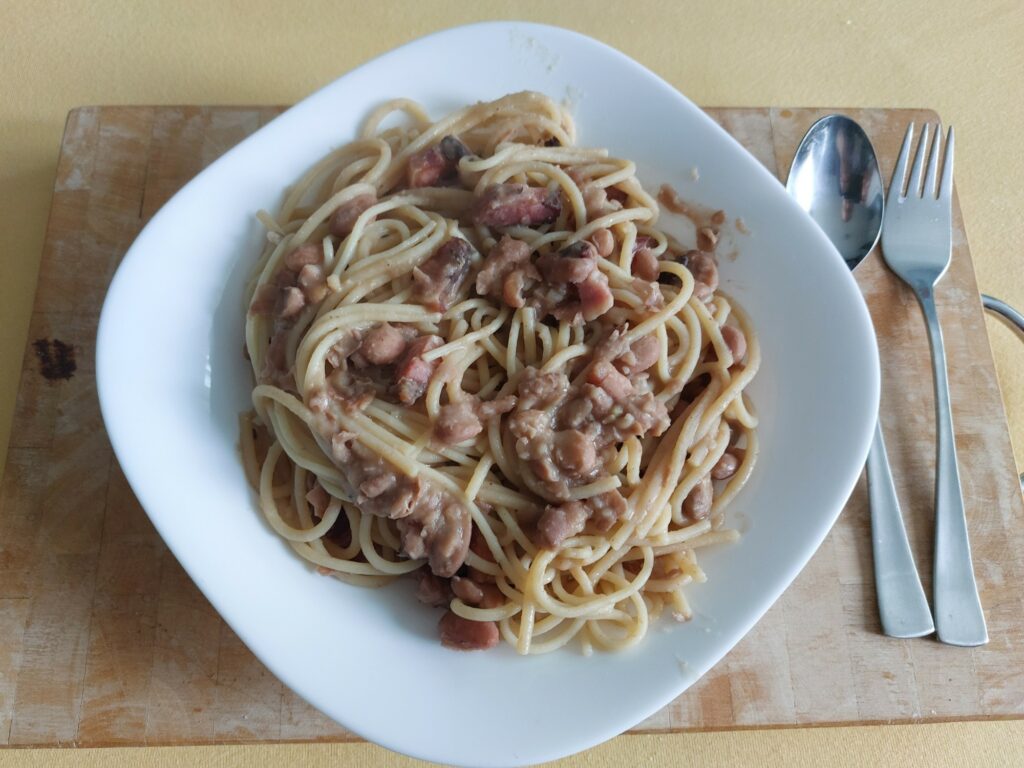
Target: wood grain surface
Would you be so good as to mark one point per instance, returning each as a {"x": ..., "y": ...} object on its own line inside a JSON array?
[{"x": 105, "y": 640}]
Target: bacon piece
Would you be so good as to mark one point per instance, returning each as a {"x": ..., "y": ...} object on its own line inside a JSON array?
[
  {"x": 560, "y": 522},
  {"x": 464, "y": 635},
  {"x": 604, "y": 242},
  {"x": 605, "y": 376},
  {"x": 318, "y": 498},
  {"x": 508, "y": 205},
  {"x": 265, "y": 299},
  {"x": 595, "y": 296},
  {"x": 292, "y": 301},
  {"x": 436, "y": 165},
  {"x": 432, "y": 590},
  {"x": 438, "y": 280},
  {"x": 643, "y": 353},
  {"x": 312, "y": 283},
  {"x": 467, "y": 590},
  {"x": 413, "y": 372},
  {"x": 344, "y": 217},
  {"x": 307, "y": 253}
]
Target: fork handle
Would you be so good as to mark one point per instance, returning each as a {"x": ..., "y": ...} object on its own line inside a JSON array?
[
  {"x": 959, "y": 619},
  {"x": 902, "y": 606}
]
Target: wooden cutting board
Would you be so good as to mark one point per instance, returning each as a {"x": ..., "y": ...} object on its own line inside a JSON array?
[{"x": 105, "y": 640}]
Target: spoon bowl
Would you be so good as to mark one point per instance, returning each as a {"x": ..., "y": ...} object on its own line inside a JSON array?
[{"x": 835, "y": 178}]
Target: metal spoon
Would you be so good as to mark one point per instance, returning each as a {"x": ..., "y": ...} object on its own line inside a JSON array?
[{"x": 835, "y": 178}]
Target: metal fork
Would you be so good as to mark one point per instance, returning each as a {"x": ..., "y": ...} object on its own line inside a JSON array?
[{"x": 917, "y": 245}]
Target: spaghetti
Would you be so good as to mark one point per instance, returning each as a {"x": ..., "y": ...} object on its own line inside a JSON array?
[{"x": 478, "y": 360}]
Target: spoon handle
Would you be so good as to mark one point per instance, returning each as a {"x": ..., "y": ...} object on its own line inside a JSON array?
[
  {"x": 959, "y": 619},
  {"x": 902, "y": 605}
]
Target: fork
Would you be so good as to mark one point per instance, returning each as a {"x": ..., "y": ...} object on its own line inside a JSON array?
[{"x": 917, "y": 245}]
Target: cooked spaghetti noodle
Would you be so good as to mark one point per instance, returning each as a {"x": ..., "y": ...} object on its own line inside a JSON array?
[{"x": 478, "y": 359}]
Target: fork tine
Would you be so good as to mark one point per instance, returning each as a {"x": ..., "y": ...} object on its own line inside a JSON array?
[
  {"x": 914, "y": 188},
  {"x": 946, "y": 186},
  {"x": 899, "y": 175},
  {"x": 933, "y": 165}
]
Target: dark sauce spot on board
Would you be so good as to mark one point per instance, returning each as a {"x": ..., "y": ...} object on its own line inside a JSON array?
[{"x": 56, "y": 359}]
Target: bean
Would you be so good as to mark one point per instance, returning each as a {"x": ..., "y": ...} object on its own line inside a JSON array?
[
  {"x": 697, "y": 504},
  {"x": 726, "y": 466},
  {"x": 735, "y": 341}
]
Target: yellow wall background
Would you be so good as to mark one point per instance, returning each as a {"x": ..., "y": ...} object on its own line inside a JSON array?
[{"x": 966, "y": 60}]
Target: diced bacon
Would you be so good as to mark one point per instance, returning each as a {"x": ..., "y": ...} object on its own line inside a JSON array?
[
  {"x": 605, "y": 376},
  {"x": 513, "y": 290},
  {"x": 492, "y": 597},
  {"x": 508, "y": 205},
  {"x": 436, "y": 165},
  {"x": 318, "y": 498},
  {"x": 344, "y": 217},
  {"x": 643, "y": 353},
  {"x": 649, "y": 293},
  {"x": 465, "y": 419},
  {"x": 292, "y": 302},
  {"x": 488, "y": 409},
  {"x": 311, "y": 281},
  {"x": 616, "y": 194},
  {"x": 643, "y": 241},
  {"x": 464, "y": 635},
  {"x": 413, "y": 372},
  {"x": 597, "y": 201},
  {"x": 478, "y": 546},
  {"x": 467, "y": 590},
  {"x": 432, "y": 590},
  {"x": 274, "y": 364},
  {"x": 351, "y": 391},
  {"x": 559, "y": 269},
  {"x": 595, "y": 296},
  {"x": 507, "y": 255},
  {"x": 264, "y": 300},
  {"x": 426, "y": 167},
  {"x": 604, "y": 242},
  {"x": 344, "y": 347},
  {"x": 438, "y": 280},
  {"x": 307, "y": 253}
]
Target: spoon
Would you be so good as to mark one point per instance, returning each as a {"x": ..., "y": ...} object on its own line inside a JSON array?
[{"x": 835, "y": 178}]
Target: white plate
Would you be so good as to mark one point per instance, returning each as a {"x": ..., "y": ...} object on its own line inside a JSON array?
[{"x": 172, "y": 381}]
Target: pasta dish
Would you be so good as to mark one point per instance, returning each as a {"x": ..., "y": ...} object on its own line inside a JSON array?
[{"x": 479, "y": 361}]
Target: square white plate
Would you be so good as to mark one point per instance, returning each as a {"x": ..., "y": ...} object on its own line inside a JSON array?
[{"x": 172, "y": 381}]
